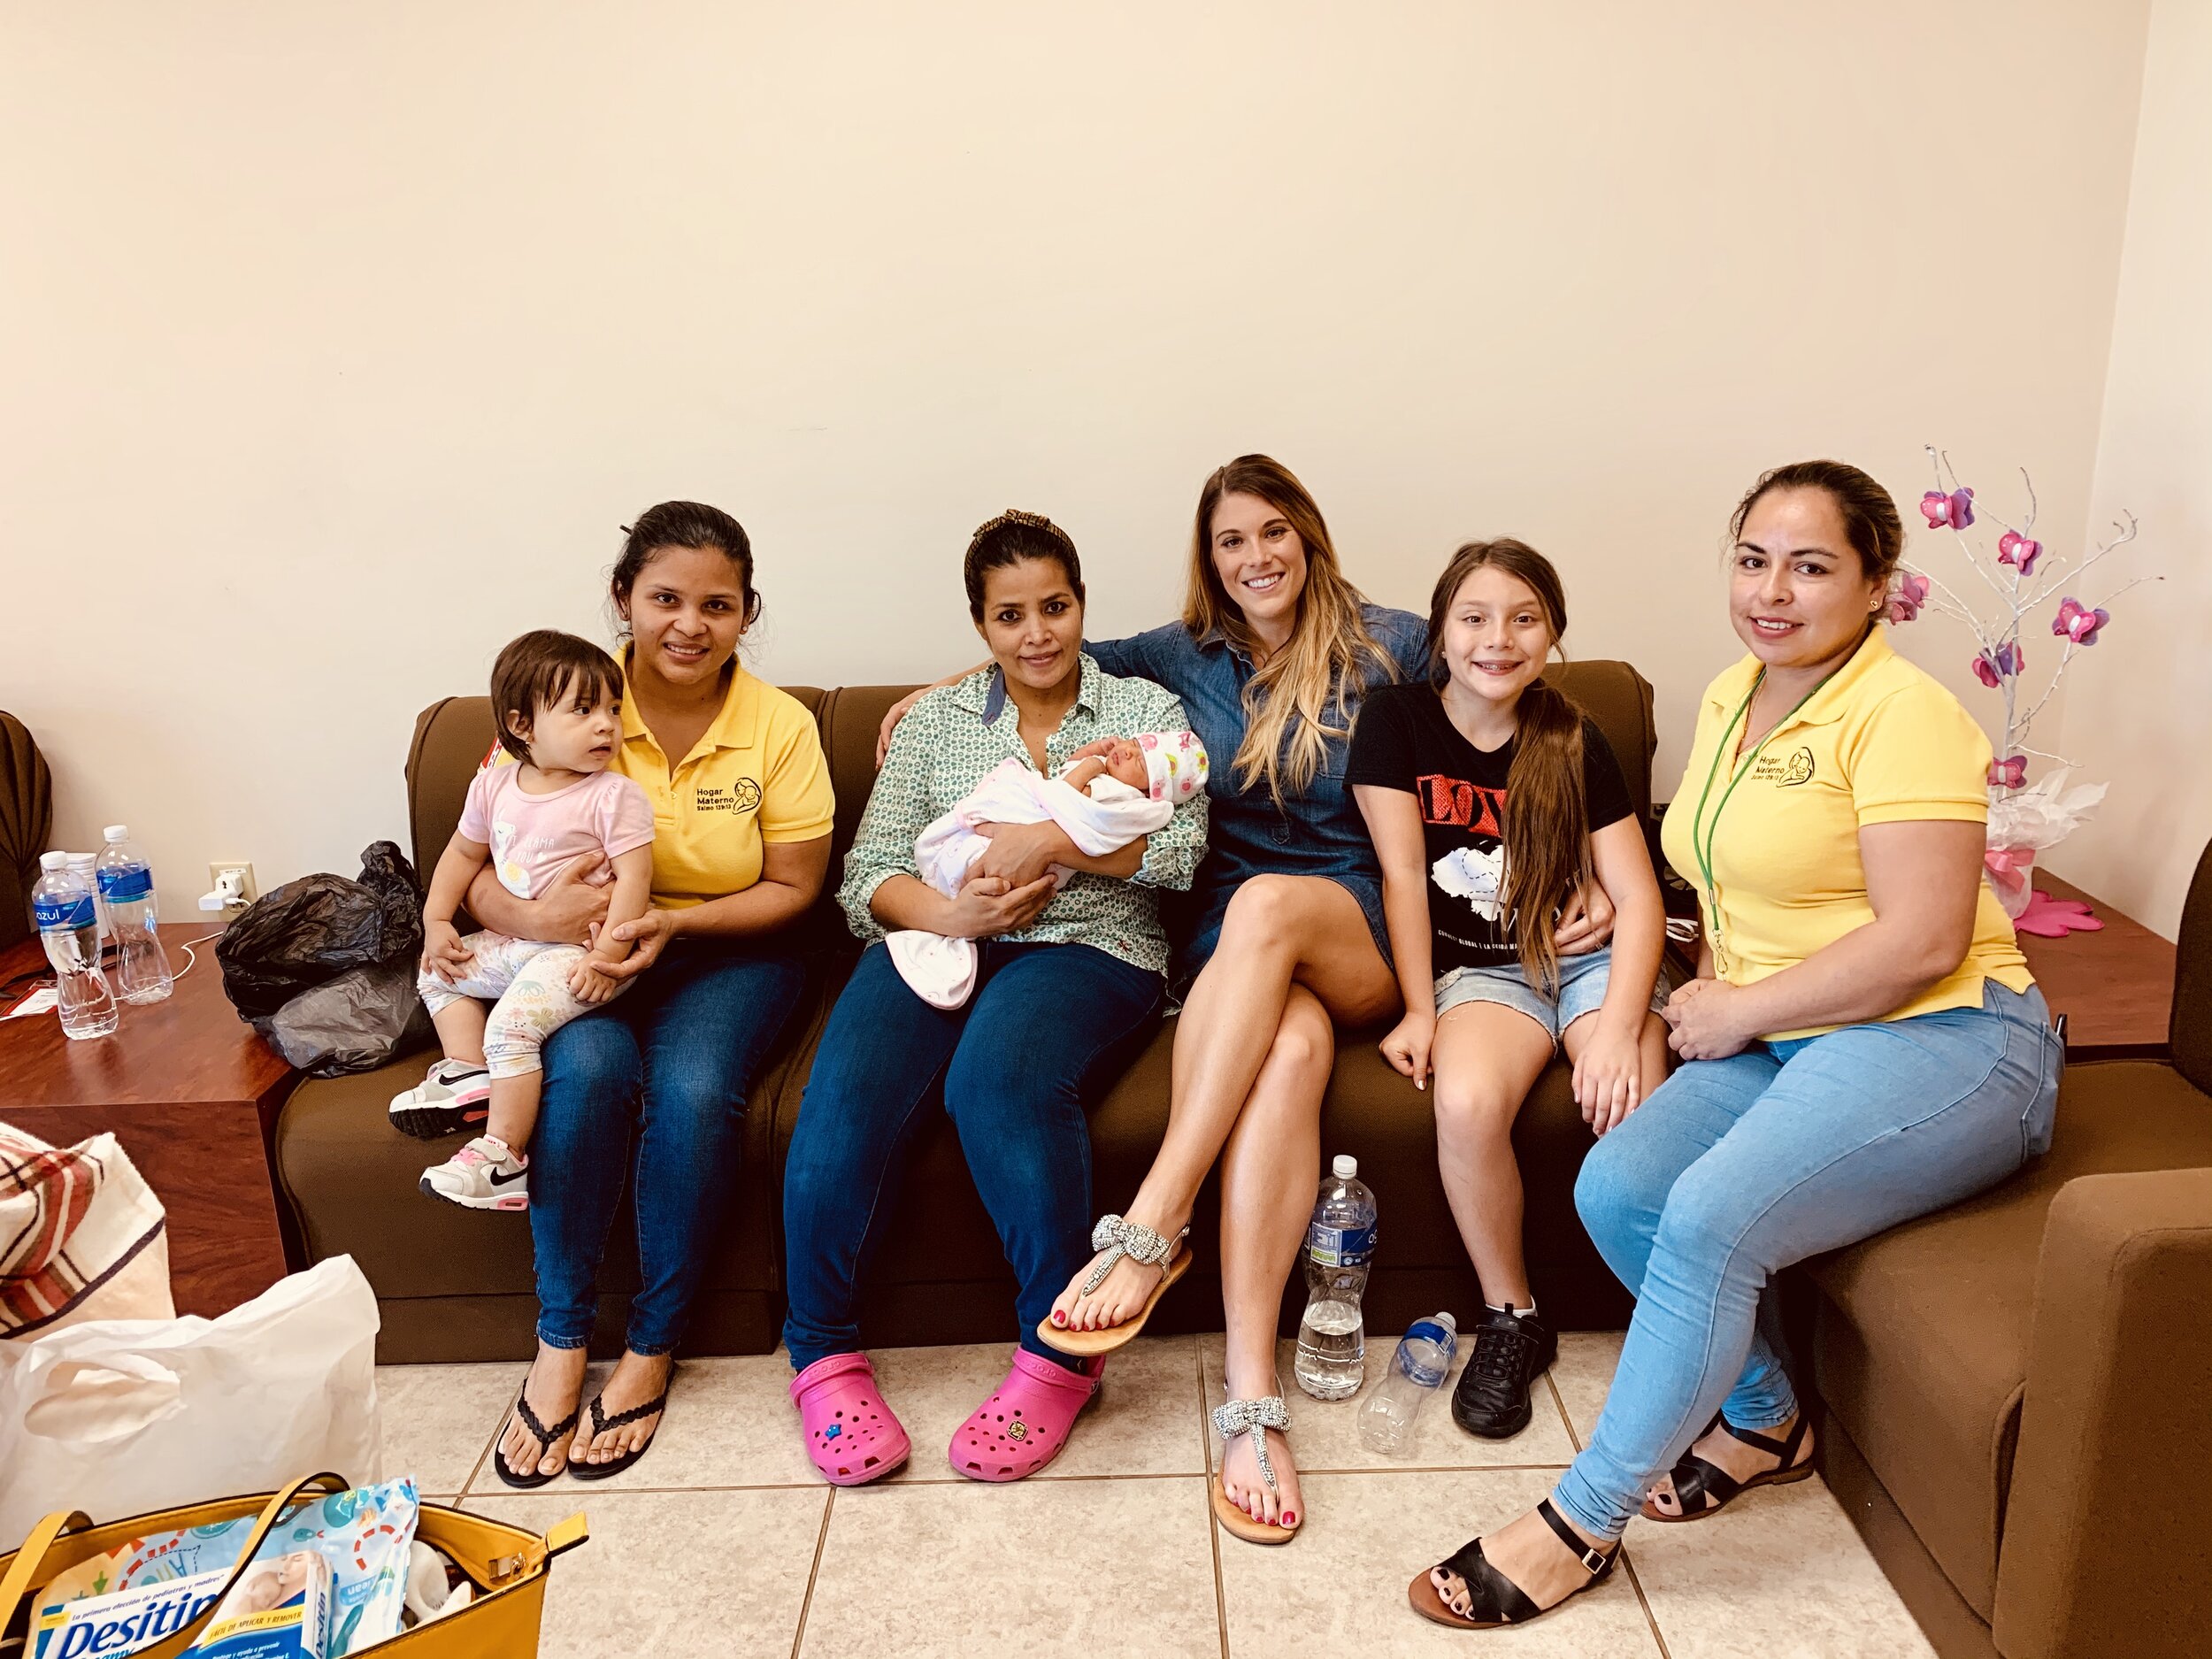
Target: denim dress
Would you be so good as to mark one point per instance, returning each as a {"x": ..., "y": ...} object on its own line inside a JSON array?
[{"x": 1315, "y": 832}]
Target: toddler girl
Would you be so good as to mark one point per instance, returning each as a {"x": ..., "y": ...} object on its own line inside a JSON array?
[
  {"x": 1491, "y": 800},
  {"x": 1112, "y": 792},
  {"x": 557, "y": 700}
]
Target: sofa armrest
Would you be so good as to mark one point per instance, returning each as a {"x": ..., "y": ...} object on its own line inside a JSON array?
[{"x": 2102, "y": 1549}]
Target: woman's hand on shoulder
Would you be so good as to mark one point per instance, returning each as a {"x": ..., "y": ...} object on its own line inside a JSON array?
[
  {"x": 988, "y": 906},
  {"x": 1707, "y": 1020},
  {"x": 1409, "y": 1045},
  {"x": 897, "y": 711}
]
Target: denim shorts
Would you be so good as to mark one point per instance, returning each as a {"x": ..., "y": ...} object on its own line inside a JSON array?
[{"x": 1582, "y": 982}]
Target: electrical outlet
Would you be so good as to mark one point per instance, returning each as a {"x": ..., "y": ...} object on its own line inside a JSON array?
[{"x": 241, "y": 873}]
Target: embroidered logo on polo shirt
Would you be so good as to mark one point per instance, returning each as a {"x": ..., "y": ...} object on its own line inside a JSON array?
[
  {"x": 741, "y": 796},
  {"x": 1782, "y": 774}
]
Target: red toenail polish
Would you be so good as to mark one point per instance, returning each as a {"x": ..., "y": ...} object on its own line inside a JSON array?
[
  {"x": 1058, "y": 1318},
  {"x": 1290, "y": 1518}
]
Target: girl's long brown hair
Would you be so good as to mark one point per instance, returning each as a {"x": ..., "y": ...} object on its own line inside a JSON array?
[
  {"x": 1546, "y": 815},
  {"x": 1287, "y": 700}
]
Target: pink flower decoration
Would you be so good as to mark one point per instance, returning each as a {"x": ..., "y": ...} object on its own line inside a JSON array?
[
  {"x": 2076, "y": 623},
  {"x": 1907, "y": 597},
  {"x": 2009, "y": 773},
  {"x": 1954, "y": 512},
  {"x": 1993, "y": 668},
  {"x": 2017, "y": 550}
]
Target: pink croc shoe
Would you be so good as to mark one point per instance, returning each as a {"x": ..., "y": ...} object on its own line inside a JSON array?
[
  {"x": 1024, "y": 1425},
  {"x": 850, "y": 1433}
]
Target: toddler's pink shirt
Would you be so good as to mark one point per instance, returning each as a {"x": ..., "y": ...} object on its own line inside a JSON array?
[{"x": 532, "y": 836}]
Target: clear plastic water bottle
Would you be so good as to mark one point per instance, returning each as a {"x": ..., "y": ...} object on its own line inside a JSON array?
[
  {"x": 126, "y": 887},
  {"x": 84, "y": 867},
  {"x": 69, "y": 927},
  {"x": 1339, "y": 1244},
  {"x": 1418, "y": 1370}
]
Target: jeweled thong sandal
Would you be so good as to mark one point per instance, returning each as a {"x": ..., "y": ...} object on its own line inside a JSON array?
[
  {"x": 601, "y": 1422},
  {"x": 1696, "y": 1481},
  {"x": 1256, "y": 1417},
  {"x": 1118, "y": 1238},
  {"x": 544, "y": 1437},
  {"x": 1493, "y": 1599}
]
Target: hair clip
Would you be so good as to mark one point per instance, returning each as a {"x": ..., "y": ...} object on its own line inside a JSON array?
[{"x": 1015, "y": 514}]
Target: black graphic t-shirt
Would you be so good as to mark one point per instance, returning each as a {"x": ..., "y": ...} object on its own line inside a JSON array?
[{"x": 1405, "y": 740}]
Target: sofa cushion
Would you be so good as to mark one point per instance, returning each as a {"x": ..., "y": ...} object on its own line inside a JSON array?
[
  {"x": 940, "y": 1275},
  {"x": 1922, "y": 1333},
  {"x": 350, "y": 1180}
]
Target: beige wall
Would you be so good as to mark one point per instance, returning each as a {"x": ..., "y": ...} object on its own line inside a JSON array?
[
  {"x": 2138, "y": 712},
  {"x": 340, "y": 339}
]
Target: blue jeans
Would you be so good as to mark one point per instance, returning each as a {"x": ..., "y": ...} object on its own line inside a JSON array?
[
  {"x": 1048, "y": 1026},
  {"x": 668, "y": 1064},
  {"x": 1736, "y": 1168}
]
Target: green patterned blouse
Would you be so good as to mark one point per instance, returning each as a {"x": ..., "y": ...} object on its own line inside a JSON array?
[{"x": 954, "y": 736}]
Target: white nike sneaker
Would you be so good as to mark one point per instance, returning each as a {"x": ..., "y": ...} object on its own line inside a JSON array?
[
  {"x": 484, "y": 1174},
  {"x": 452, "y": 1097}
]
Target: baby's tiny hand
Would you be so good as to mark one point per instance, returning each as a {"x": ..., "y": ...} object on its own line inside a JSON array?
[
  {"x": 1082, "y": 774},
  {"x": 586, "y": 984},
  {"x": 443, "y": 955}
]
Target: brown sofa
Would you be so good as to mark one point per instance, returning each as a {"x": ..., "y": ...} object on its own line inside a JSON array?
[
  {"x": 2017, "y": 1391},
  {"x": 2016, "y": 1394},
  {"x": 455, "y": 1285}
]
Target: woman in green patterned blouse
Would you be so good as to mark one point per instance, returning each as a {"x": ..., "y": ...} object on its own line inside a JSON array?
[{"x": 1069, "y": 988}]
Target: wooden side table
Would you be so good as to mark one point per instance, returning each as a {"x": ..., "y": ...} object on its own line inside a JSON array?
[
  {"x": 193, "y": 1094},
  {"x": 2114, "y": 986}
]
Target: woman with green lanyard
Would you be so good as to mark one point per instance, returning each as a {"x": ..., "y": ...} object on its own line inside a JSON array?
[{"x": 1864, "y": 1041}]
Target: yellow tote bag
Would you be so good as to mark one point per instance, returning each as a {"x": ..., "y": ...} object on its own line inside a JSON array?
[{"x": 507, "y": 1565}]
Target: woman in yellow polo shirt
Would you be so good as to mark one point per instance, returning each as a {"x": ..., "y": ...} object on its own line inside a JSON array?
[
  {"x": 1864, "y": 1041},
  {"x": 650, "y": 1088}
]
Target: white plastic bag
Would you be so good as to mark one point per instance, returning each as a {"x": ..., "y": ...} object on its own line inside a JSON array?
[{"x": 117, "y": 1417}]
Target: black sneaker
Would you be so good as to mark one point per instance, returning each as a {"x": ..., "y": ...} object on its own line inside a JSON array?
[{"x": 1510, "y": 1352}]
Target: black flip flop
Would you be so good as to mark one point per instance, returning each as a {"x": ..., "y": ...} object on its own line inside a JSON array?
[
  {"x": 544, "y": 1437},
  {"x": 600, "y": 1423}
]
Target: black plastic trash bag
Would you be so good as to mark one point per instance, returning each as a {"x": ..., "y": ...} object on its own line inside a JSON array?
[
  {"x": 310, "y": 931},
  {"x": 353, "y": 1023}
]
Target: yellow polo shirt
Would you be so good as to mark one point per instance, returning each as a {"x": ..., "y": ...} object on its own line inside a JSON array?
[
  {"x": 758, "y": 776},
  {"x": 1880, "y": 743}
]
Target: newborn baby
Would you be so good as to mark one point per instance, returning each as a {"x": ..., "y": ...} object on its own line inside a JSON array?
[{"x": 1120, "y": 788}]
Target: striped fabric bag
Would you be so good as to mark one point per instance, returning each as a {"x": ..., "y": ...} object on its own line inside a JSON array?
[{"x": 82, "y": 1236}]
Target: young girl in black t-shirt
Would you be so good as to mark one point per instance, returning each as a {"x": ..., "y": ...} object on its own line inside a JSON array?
[{"x": 1490, "y": 800}]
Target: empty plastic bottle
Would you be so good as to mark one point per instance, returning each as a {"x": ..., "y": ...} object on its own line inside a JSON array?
[
  {"x": 69, "y": 927},
  {"x": 1339, "y": 1244},
  {"x": 126, "y": 887},
  {"x": 1418, "y": 1370}
]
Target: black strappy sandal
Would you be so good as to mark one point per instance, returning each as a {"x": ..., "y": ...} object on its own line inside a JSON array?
[
  {"x": 544, "y": 1437},
  {"x": 1696, "y": 1480},
  {"x": 600, "y": 1423},
  {"x": 1496, "y": 1599}
]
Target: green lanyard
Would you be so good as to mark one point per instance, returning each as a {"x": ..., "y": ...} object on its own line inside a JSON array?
[{"x": 1702, "y": 846}]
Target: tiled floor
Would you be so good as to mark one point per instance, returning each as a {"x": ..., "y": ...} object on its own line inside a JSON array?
[{"x": 723, "y": 1542}]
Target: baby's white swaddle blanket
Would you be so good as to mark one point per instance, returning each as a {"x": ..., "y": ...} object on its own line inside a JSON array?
[{"x": 941, "y": 970}]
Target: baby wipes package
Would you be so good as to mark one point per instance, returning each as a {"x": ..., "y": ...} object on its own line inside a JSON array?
[
  {"x": 279, "y": 1610},
  {"x": 123, "y": 1621},
  {"x": 361, "y": 1537}
]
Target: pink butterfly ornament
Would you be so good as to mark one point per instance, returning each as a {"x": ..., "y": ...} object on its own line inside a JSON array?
[
  {"x": 1954, "y": 512},
  {"x": 1907, "y": 598},
  {"x": 2018, "y": 551},
  {"x": 2008, "y": 773},
  {"x": 1993, "y": 668},
  {"x": 2077, "y": 623}
]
